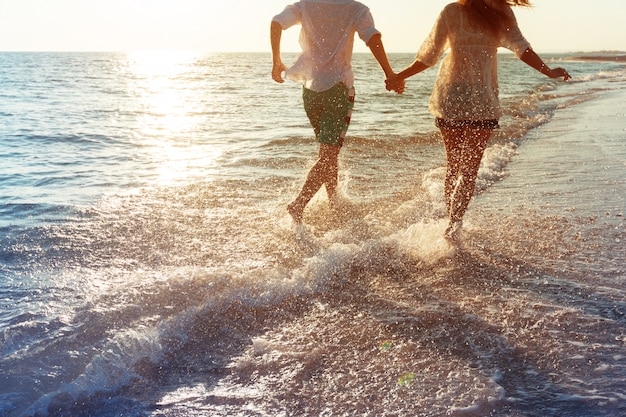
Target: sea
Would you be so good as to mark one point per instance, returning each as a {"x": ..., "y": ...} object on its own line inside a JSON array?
[{"x": 149, "y": 268}]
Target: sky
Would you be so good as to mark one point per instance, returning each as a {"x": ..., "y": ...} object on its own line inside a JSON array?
[{"x": 243, "y": 25}]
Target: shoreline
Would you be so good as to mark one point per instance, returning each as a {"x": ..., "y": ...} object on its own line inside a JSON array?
[{"x": 573, "y": 164}]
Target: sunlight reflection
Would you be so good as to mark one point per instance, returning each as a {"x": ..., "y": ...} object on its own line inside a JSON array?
[
  {"x": 168, "y": 91},
  {"x": 182, "y": 163},
  {"x": 167, "y": 101},
  {"x": 160, "y": 63}
]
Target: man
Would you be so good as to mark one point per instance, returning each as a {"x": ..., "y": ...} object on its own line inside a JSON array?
[{"x": 324, "y": 68}]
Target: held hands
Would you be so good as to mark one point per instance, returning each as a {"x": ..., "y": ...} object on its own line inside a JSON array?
[{"x": 395, "y": 83}]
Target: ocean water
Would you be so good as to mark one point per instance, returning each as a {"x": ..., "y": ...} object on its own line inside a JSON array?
[{"x": 148, "y": 266}]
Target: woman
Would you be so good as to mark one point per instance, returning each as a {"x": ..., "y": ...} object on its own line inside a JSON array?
[{"x": 465, "y": 97}]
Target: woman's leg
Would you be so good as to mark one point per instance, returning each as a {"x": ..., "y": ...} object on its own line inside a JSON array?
[
  {"x": 451, "y": 141},
  {"x": 464, "y": 151}
]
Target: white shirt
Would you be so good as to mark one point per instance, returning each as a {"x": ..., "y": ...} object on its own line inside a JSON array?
[
  {"x": 327, "y": 39},
  {"x": 467, "y": 82}
]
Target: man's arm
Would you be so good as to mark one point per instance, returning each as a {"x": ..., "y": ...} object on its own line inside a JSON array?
[
  {"x": 276, "y": 32},
  {"x": 378, "y": 50}
]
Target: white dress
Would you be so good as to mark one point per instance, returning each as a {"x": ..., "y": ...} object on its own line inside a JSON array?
[{"x": 467, "y": 82}]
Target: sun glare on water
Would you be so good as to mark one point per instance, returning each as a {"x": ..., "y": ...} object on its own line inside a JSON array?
[{"x": 171, "y": 105}]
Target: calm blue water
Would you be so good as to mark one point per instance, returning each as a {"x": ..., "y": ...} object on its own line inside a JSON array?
[{"x": 148, "y": 267}]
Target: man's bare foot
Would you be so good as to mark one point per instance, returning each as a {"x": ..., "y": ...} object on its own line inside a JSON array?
[
  {"x": 453, "y": 231},
  {"x": 295, "y": 212},
  {"x": 334, "y": 203}
]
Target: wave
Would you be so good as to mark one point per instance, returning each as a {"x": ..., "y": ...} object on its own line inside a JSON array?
[
  {"x": 208, "y": 337},
  {"x": 195, "y": 314}
]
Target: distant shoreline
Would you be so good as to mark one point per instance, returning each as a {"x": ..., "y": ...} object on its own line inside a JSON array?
[{"x": 611, "y": 58}]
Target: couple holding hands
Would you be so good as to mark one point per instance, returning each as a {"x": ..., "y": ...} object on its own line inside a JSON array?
[{"x": 464, "y": 100}]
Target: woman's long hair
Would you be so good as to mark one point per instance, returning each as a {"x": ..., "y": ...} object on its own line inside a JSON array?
[{"x": 489, "y": 15}]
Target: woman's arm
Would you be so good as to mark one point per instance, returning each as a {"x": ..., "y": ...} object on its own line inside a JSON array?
[
  {"x": 532, "y": 59},
  {"x": 415, "y": 68}
]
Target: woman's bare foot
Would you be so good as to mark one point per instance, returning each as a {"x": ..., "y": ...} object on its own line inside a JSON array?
[{"x": 453, "y": 232}]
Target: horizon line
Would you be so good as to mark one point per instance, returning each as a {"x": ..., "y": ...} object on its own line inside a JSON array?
[{"x": 172, "y": 50}]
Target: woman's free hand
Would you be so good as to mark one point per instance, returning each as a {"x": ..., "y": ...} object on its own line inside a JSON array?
[{"x": 559, "y": 73}]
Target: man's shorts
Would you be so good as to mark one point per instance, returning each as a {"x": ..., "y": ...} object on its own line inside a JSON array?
[{"x": 329, "y": 112}]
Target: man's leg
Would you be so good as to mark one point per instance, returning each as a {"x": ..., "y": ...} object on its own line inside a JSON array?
[
  {"x": 329, "y": 113},
  {"x": 324, "y": 171}
]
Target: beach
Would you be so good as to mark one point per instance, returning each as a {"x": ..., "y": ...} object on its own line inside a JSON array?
[
  {"x": 149, "y": 267},
  {"x": 572, "y": 188},
  {"x": 527, "y": 319}
]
